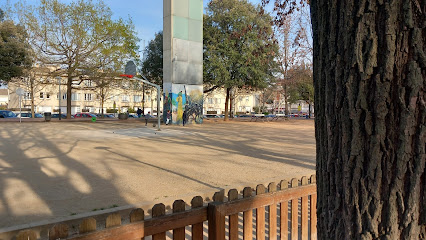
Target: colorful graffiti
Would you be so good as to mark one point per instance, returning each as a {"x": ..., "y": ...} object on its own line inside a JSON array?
[
  {"x": 188, "y": 99},
  {"x": 194, "y": 106}
]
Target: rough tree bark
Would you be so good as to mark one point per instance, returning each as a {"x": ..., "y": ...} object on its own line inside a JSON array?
[
  {"x": 227, "y": 99},
  {"x": 69, "y": 92},
  {"x": 369, "y": 76}
]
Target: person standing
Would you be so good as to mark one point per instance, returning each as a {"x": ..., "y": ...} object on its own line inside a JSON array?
[
  {"x": 139, "y": 112},
  {"x": 168, "y": 116},
  {"x": 147, "y": 116},
  {"x": 184, "y": 117}
]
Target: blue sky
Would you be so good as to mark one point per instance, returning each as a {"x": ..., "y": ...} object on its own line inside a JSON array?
[{"x": 147, "y": 15}]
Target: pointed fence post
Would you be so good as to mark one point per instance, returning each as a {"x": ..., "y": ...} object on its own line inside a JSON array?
[
  {"x": 233, "y": 219},
  {"x": 284, "y": 213},
  {"x": 59, "y": 231},
  {"x": 294, "y": 212},
  {"x": 137, "y": 215},
  {"x": 305, "y": 211},
  {"x": 157, "y": 211},
  {"x": 179, "y": 233},
  {"x": 272, "y": 187},
  {"x": 248, "y": 217},
  {"x": 260, "y": 215},
  {"x": 197, "y": 229}
]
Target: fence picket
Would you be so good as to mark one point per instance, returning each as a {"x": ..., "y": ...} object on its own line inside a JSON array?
[
  {"x": 179, "y": 233},
  {"x": 272, "y": 187},
  {"x": 260, "y": 215},
  {"x": 233, "y": 219},
  {"x": 137, "y": 215},
  {"x": 305, "y": 210},
  {"x": 313, "y": 211},
  {"x": 197, "y": 229},
  {"x": 88, "y": 225},
  {"x": 26, "y": 235},
  {"x": 219, "y": 196},
  {"x": 58, "y": 231},
  {"x": 294, "y": 212},
  {"x": 248, "y": 217},
  {"x": 113, "y": 220},
  {"x": 284, "y": 213},
  {"x": 157, "y": 211}
]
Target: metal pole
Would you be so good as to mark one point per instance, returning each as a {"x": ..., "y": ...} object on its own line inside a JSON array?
[
  {"x": 158, "y": 106},
  {"x": 20, "y": 110}
]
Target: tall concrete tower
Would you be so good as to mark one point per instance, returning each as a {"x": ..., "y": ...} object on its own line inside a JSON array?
[{"x": 183, "y": 59}]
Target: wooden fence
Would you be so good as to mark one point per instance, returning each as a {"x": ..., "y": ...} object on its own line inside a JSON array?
[{"x": 286, "y": 211}]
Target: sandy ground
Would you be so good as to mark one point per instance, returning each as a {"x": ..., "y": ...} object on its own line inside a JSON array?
[{"x": 53, "y": 170}]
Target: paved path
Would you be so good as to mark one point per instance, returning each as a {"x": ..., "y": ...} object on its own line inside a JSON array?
[{"x": 51, "y": 170}]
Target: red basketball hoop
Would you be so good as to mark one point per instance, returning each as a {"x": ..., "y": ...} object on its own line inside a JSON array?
[{"x": 126, "y": 75}]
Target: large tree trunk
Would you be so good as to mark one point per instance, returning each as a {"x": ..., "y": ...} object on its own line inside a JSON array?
[
  {"x": 231, "y": 103},
  {"x": 369, "y": 76},
  {"x": 69, "y": 88},
  {"x": 227, "y": 99},
  {"x": 285, "y": 100},
  {"x": 32, "y": 96}
]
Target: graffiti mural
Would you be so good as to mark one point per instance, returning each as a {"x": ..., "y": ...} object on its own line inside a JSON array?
[
  {"x": 194, "y": 106},
  {"x": 183, "y": 98}
]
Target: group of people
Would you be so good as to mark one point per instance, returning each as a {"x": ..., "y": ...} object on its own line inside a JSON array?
[{"x": 147, "y": 116}]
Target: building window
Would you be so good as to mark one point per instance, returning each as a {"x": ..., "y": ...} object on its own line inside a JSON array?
[
  {"x": 247, "y": 99},
  {"x": 210, "y": 100},
  {"x": 87, "y": 97},
  {"x": 47, "y": 95},
  {"x": 75, "y": 97},
  {"x": 89, "y": 83},
  {"x": 125, "y": 98},
  {"x": 137, "y": 98},
  {"x": 41, "y": 95},
  {"x": 64, "y": 96},
  {"x": 27, "y": 95}
]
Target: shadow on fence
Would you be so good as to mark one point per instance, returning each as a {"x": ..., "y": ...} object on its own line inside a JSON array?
[{"x": 283, "y": 211}]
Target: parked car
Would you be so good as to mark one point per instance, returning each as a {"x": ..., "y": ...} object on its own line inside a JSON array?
[
  {"x": 56, "y": 115},
  {"x": 211, "y": 116},
  {"x": 84, "y": 115},
  {"x": 7, "y": 114},
  {"x": 29, "y": 115},
  {"x": 133, "y": 116},
  {"x": 105, "y": 115}
]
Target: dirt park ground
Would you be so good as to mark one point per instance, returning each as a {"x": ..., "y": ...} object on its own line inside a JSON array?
[{"x": 50, "y": 170}]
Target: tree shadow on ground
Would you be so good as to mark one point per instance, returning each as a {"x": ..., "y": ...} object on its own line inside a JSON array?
[{"x": 36, "y": 171}]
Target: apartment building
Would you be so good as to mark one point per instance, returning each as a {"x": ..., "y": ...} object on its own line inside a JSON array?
[
  {"x": 244, "y": 102},
  {"x": 4, "y": 98},
  {"x": 50, "y": 95}
]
